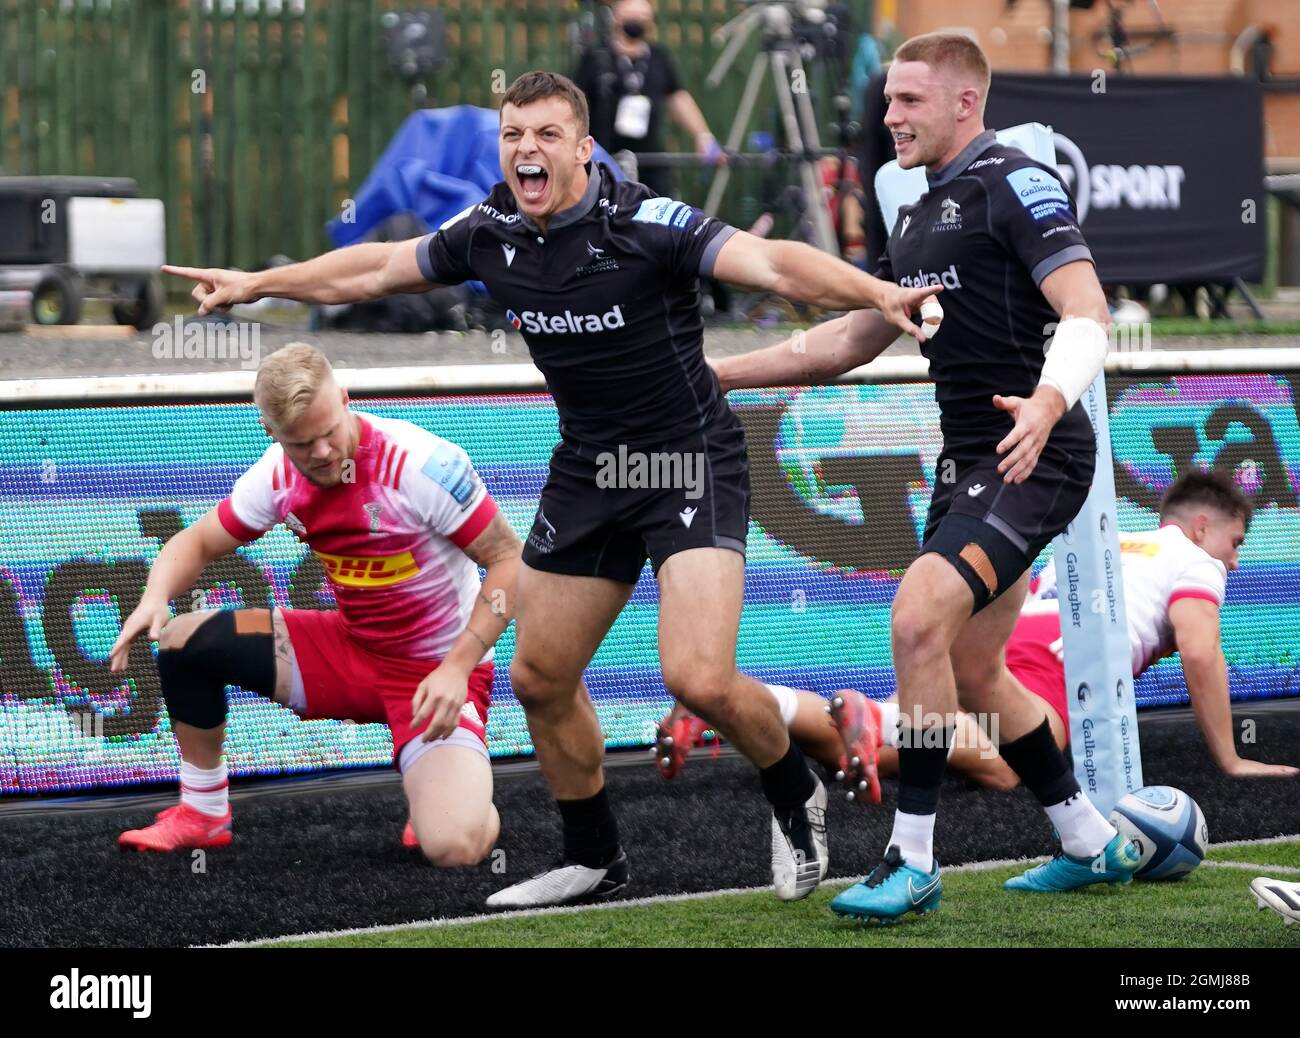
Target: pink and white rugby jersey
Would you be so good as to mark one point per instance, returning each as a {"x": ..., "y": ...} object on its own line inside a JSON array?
[
  {"x": 390, "y": 539},
  {"x": 1159, "y": 568}
]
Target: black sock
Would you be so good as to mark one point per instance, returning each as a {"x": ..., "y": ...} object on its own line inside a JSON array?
[
  {"x": 922, "y": 757},
  {"x": 788, "y": 783},
  {"x": 590, "y": 831},
  {"x": 1041, "y": 765}
]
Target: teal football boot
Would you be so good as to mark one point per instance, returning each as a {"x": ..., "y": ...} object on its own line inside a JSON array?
[
  {"x": 1115, "y": 864},
  {"x": 892, "y": 890}
]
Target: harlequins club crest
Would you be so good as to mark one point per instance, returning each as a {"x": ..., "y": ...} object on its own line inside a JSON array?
[{"x": 373, "y": 509}]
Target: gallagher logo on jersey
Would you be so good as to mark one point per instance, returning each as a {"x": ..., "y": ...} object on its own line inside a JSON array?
[
  {"x": 1040, "y": 193},
  {"x": 538, "y": 322}
]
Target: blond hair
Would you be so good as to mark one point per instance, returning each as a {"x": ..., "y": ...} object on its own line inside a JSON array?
[
  {"x": 288, "y": 381},
  {"x": 949, "y": 50}
]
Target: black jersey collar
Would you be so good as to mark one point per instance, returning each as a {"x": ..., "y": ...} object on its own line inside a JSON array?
[
  {"x": 575, "y": 212},
  {"x": 964, "y": 158}
]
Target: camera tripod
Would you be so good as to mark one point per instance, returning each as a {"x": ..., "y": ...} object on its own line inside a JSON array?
[{"x": 779, "y": 54}]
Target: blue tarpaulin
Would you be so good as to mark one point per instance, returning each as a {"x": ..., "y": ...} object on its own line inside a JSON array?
[{"x": 440, "y": 161}]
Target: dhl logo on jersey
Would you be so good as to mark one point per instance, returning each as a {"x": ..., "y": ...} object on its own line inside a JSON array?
[
  {"x": 1132, "y": 547},
  {"x": 369, "y": 570}
]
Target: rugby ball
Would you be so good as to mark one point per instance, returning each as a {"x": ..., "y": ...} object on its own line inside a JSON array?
[{"x": 1167, "y": 827}]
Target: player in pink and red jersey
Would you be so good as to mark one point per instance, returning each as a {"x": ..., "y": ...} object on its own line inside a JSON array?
[
  {"x": 1174, "y": 583},
  {"x": 402, "y": 524},
  {"x": 1175, "y": 579}
]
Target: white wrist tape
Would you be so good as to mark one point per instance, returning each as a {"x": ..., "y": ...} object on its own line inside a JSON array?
[
  {"x": 1078, "y": 352},
  {"x": 931, "y": 318}
]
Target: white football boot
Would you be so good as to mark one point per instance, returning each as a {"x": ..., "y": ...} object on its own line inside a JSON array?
[
  {"x": 799, "y": 848},
  {"x": 1283, "y": 898},
  {"x": 565, "y": 884}
]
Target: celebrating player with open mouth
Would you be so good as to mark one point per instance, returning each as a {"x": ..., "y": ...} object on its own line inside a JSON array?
[
  {"x": 999, "y": 233},
  {"x": 401, "y": 522},
  {"x": 602, "y": 280}
]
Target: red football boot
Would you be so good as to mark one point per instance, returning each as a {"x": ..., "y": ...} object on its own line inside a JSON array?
[
  {"x": 177, "y": 828},
  {"x": 678, "y": 734},
  {"x": 857, "y": 719}
]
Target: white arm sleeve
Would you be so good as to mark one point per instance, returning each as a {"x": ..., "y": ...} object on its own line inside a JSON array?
[
  {"x": 1206, "y": 578},
  {"x": 254, "y": 496},
  {"x": 1078, "y": 353},
  {"x": 444, "y": 488}
]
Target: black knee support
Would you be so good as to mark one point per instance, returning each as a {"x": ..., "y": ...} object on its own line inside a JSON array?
[
  {"x": 194, "y": 677},
  {"x": 985, "y": 557}
]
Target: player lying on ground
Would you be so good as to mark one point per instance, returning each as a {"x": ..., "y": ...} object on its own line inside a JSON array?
[
  {"x": 852, "y": 736},
  {"x": 998, "y": 231},
  {"x": 401, "y": 523},
  {"x": 601, "y": 279},
  {"x": 1174, "y": 582}
]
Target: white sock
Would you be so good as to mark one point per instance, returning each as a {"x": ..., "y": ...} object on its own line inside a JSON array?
[
  {"x": 914, "y": 835},
  {"x": 787, "y": 699},
  {"x": 205, "y": 789},
  {"x": 889, "y": 724},
  {"x": 1084, "y": 830}
]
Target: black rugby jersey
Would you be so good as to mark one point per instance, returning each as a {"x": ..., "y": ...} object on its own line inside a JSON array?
[
  {"x": 992, "y": 225},
  {"x": 607, "y": 301}
]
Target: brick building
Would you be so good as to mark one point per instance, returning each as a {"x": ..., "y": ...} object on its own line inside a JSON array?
[{"x": 1018, "y": 39}]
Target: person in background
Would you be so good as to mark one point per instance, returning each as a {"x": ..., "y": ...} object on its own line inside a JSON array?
[
  {"x": 630, "y": 82},
  {"x": 876, "y": 148}
]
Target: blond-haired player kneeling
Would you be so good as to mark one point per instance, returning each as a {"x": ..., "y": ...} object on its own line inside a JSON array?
[{"x": 402, "y": 523}]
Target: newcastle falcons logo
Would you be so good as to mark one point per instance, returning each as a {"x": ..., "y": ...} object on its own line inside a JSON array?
[
  {"x": 373, "y": 509},
  {"x": 546, "y": 543}
]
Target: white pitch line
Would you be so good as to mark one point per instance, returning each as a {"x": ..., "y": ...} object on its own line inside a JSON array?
[
  {"x": 1255, "y": 867},
  {"x": 665, "y": 899},
  {"x": 637, "y": 902},
  {"x": 1263, "y": 841}
]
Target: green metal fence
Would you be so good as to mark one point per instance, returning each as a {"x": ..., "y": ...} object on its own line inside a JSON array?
[{"x": 254, "y": 120}]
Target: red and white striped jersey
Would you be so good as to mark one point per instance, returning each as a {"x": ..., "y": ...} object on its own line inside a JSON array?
[
  {"x": 390, "y": 536},
  {"x": 1159, "y": 568}
]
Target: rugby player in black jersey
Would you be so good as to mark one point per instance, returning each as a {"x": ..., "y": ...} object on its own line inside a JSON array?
[
  {"x": 601, "y": 278},
  {"x": 999, "y": 233}
]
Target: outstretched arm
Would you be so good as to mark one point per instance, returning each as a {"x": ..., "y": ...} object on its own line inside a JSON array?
[
  {"x": 349, "y": 275},
  {"x": 811, "y": 357},
  {"x": 807, "y": 275},
  {"x": 1196, "y": 631}
]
